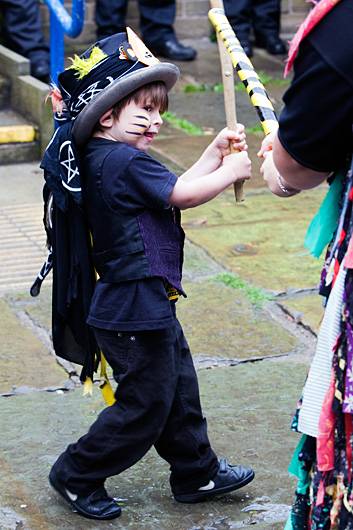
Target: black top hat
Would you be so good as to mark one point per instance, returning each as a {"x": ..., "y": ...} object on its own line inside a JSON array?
[{"x": 104, "y": 74}]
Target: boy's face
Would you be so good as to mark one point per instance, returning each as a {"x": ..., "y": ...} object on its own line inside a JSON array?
[{"x": 137, "y": 125}]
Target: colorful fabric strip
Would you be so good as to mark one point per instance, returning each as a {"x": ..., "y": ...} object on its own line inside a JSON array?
[{"x": 315, "y": 16}]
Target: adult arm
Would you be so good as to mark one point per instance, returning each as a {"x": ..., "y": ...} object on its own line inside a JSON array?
[{"x": 314, "y": 136}]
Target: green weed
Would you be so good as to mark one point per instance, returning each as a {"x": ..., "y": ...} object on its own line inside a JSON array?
[
  {"x": 181, "y": 123},
  {"x": 256, "y": 129},
  {"x": 256, "y": 296},
  {"x": 265, "y": 79}
]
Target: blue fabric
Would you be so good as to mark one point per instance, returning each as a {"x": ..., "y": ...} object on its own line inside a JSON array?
[
  {"x": 324, "y": 224},
  {"x": 156, "y": 17},
  {"x": 131, "y": 306},
  {"x": 289, "y": 525},
  {"x": 130, "y": 183},
  {"x": 61, "y": 166},
  {"x": 297, "y": 469},
  {"x": 22, "y": 29},
  {"x": 130, "y": 178}
]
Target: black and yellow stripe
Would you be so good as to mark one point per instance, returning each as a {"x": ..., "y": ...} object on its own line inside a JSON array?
[{"x": 245, "y": 70}]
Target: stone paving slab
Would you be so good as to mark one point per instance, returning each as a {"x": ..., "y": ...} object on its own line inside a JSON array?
[
  {"x": 260, "y": 239},
  {"x": 248, "y": 423},
  {"x": 221, "y": 322},
  {"x": 20, "y": 183},
  {"x": 24, "y": 360}
]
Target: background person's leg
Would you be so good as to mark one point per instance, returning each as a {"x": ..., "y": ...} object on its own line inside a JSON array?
[
  {"x": 110, "y": 17},
  {"x": 156, "y": 21},
  {"x": 22, "y": 31},
  {"x": 239, "y": 14},
  {"x": 266, "y": 22}
]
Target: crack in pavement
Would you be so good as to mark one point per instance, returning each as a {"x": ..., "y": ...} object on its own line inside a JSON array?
[{"x": 296, "y": 316}]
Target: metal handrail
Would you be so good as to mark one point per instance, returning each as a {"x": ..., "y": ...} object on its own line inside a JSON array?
[{"x": 62, "y": 23}]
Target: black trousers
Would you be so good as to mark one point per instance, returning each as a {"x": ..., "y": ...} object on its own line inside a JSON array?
[
  {"x": 261, "y": 15},
  {"x": 22, "y": 28},
  {"x": 156, "y": 18},
  {"x": 157, "y": 403}
]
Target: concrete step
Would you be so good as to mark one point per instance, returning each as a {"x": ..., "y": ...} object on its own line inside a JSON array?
[
  {"x": 5, "y": 91},
  {"x": 18, "y": 139},
  {"x": 19, "y": 153},
  {"x": 27, "y": 96}
]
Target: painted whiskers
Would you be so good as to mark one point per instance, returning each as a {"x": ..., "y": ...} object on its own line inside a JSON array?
[{"x": 139, "y": 126}]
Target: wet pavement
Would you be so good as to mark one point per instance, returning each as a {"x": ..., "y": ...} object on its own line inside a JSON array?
[{"x": 251, "y": 316}]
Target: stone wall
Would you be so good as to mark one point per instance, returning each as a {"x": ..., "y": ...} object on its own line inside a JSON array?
[{"x": 191, "y": 20}]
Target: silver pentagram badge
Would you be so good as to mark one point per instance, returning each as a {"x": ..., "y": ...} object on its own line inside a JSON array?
[{"x": 68, "y": 162}]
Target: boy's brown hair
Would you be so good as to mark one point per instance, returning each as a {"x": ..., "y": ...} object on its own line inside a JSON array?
[{"x": 154, "y": 94}]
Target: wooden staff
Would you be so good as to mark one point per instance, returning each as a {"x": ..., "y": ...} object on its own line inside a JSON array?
[{"x": 229, "y": 94}]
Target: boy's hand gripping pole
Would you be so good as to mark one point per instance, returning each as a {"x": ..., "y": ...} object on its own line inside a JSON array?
[
  {"x": 228, "y": 90},
  {"x": 230, "y": 47}
]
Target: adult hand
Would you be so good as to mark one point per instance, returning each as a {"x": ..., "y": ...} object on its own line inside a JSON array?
[
  {"x": 273, "y": 179},
  {"x": 267, "y": 143}
]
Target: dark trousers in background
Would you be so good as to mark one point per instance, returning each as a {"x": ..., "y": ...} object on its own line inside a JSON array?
[
  {"x": 156, "y": 18},
  {"x": 261, "y": 15},
  {"x": 22, "y": 30},
  {"x": 157, "y": 403}
]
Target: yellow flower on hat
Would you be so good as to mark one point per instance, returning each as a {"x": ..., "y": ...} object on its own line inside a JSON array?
[{"x": 84, "y": 66}]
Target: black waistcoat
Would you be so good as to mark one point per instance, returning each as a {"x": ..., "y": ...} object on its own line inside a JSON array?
[{"x": 128, "y": 244}]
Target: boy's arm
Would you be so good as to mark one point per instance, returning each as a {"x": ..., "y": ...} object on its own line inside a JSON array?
[
  {"x": 212, "y": 157},
  {"x": 190, "y": 193}
]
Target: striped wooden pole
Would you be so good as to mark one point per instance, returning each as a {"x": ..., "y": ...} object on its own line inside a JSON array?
[{"x": 245, "y": 70}]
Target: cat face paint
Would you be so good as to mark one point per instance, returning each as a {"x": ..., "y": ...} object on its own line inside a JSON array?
[{"x": 137, "y": 125}]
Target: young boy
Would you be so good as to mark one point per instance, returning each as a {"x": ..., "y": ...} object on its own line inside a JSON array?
[{"x": 132, "y": 204}]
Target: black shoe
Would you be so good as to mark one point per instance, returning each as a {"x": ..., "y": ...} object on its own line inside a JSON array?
[
  {"x": 171, "y": 48},
  {"x": 228, "y": 478},
  {"x": 97, "y": 505},
  {"x": 273, "y": 44},
  {"x": 40, "y": 69}
]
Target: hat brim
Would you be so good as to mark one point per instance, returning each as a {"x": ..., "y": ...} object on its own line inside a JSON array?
[{"x": 87, "y": 119}]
